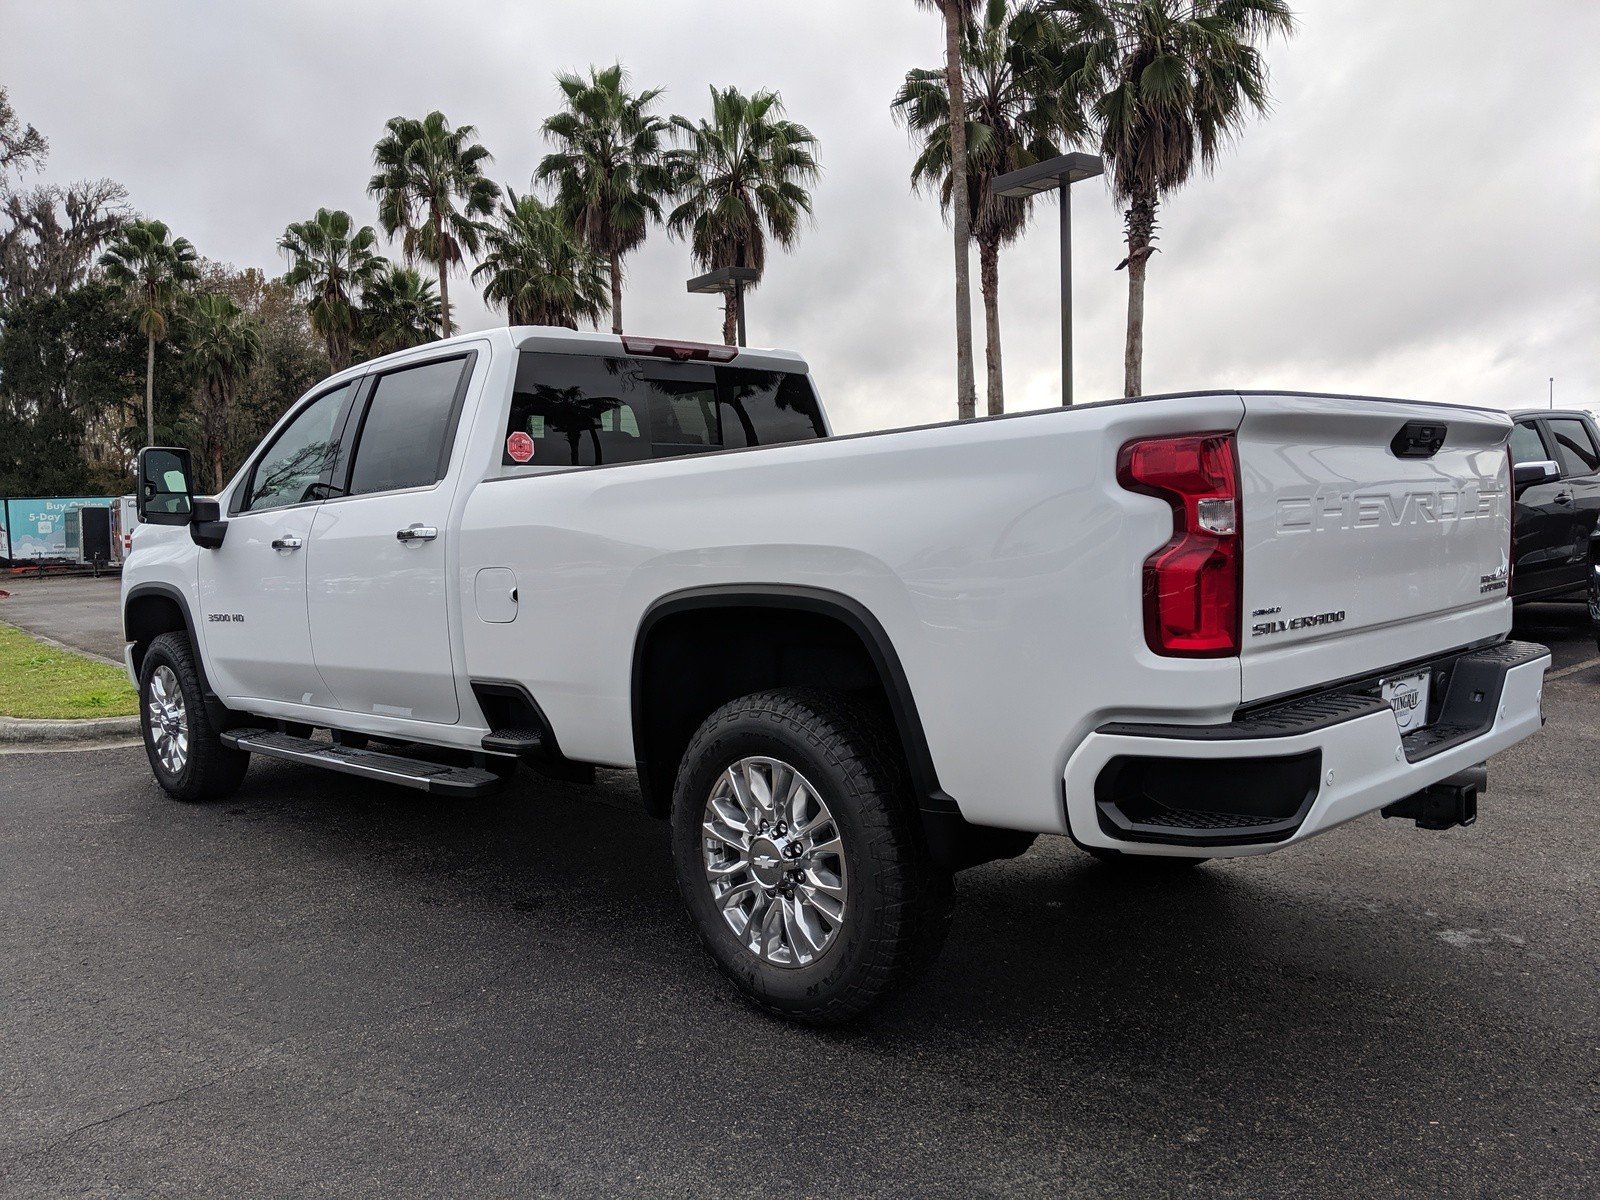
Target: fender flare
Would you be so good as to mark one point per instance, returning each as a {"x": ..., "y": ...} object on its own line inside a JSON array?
[
  {"x": 166, "y": 591},
  {"x": 851, "y": 613}
]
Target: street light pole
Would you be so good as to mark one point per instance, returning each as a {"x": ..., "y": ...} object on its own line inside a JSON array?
[
  {"x": 723, "y": 281},
  {"x": 1058, "y": 175},
  {"x": 1066, "y": 293}
]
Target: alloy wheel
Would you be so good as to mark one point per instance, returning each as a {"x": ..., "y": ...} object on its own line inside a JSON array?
[
  {"x": 169, "y": 720},
  {"x": 774, "y": 860}
]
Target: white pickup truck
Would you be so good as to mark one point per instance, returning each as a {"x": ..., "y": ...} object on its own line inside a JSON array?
[{"x": 1172, "y": 629}]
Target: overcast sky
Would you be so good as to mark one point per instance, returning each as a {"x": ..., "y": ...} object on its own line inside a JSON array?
[{"x": 1419, "y": 216}]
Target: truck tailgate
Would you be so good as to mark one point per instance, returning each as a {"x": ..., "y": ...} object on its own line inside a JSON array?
[{"x": 1361, "y": 551}]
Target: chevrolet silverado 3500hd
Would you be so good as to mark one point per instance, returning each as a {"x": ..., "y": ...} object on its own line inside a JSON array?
[{"x": 1171, "y": 629}]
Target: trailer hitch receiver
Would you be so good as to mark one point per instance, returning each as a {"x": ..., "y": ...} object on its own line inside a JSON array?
[{"x": 1446, "y": 804}]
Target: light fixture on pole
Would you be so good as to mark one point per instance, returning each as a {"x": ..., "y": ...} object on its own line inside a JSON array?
[
  {"x": 1056, "y": 174},
  {"x": 724, "y": 280}
]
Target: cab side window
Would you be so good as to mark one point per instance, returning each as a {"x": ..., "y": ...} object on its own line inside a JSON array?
[
  {"x": 297, "y": 464},
  {"x": 409, "y": 427},
  {"x": 1575, "y": 448}
]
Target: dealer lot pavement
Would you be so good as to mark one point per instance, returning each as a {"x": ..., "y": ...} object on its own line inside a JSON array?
[{"x": 324, "y": 986}]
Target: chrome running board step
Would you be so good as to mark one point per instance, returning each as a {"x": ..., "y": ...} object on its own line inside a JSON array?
[{"x": 371, "y": 764}]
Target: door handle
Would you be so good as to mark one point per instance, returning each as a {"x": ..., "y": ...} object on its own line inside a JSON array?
[
  {"x": 287, "y": 542},
  {"x": 417, "y": 533},
  {"x": 1564, "y": 498}
]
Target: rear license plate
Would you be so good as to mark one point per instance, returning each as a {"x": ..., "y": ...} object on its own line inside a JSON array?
[{"x": 1407, "y": 695}]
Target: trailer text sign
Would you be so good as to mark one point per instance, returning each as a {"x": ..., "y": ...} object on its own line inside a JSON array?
[{"x": 36, "y": 527}]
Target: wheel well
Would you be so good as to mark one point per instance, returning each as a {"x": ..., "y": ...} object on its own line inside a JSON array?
[
  {"x": 693, "y": 656},
  {"x": 147, "y": 617}
]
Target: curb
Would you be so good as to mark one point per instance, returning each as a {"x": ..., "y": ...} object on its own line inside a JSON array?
[{"x": 21, "y": 731}]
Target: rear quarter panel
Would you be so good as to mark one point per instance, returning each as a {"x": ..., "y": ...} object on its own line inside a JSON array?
[{"x": 1000, "y": 556}]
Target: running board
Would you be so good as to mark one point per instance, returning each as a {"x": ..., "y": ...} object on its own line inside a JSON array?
[{"x": 371, "y": 764}]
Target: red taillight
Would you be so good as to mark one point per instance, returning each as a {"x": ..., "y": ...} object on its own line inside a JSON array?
[
  {"x": 1193, "y": 583},
  {"x": 679, "y": 351}
]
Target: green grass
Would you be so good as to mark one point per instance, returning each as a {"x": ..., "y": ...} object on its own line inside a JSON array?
[{"x": 40, "y": 681}]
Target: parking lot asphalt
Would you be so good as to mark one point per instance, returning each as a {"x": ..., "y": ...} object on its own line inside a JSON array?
[
  {"x": 332, "y": 987},
  {"x": 76, "y": 610}
]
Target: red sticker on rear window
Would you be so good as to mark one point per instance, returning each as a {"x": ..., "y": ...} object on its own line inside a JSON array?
[{"x": 520, "y": 447}]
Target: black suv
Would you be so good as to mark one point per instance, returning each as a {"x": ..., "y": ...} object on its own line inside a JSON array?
[{"x": 1555, "y": 459}]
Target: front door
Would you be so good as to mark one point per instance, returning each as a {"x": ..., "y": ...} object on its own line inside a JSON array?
[
  {"x": 377, "y": 579},
  {"x": 253, "y": 586}
]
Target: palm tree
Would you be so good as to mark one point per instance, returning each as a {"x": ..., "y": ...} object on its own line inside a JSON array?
[
  {"x": 399, "y": 309},
  {"x": 223, "y": 346},
  {"x": 741, "y": 178},
  {"x": 153, "y": 270},
  {"x": 430, "y": 186},
  {"x": 956, "y": 13},
  {"x": 539, "y": 269},
  {"x": 1018, "y": 113},
  {"x": 331, "y": 266},
  {"x": 610, "y": 173},
  {"x": 1174, "y": 80}
]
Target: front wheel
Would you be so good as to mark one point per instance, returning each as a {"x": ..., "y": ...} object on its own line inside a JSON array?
[
  {"x": 800, "y": 856},
  {"x": 186, "y": 754}
]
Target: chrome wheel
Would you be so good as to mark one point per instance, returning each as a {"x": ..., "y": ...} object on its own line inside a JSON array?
[
  {"x": 168, "y": 720},
  {"x": 774, "y": 861}
]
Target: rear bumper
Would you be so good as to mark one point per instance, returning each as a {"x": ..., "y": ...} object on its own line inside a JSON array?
[{"x": 1278, "y": 776}]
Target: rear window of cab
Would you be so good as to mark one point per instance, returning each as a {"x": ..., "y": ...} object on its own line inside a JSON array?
[{"x": 586, "y": 411}]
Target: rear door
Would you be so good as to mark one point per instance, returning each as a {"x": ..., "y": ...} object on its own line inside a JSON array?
[
  {"x": 376, "y": 576},
  {"x": 1543, "y": 515},
  {"x": 1578, "y": 494},
  {"x": 1376, "y": 532}
]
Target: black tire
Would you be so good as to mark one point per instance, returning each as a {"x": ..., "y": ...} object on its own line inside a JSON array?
[
  {"x": 1148, "y": 864},
  {"x": 1594, "y": 595},
  {"x": 209, "y": 770},
  {"x": 898, "y": 906}
]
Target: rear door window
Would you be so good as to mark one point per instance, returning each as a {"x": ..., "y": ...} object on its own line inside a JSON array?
[
  {"x": 409, "y": 427},
  {"x": 1574, "y": 444}
]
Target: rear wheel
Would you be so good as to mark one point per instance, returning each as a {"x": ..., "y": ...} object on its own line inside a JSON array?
[
  {"x": 186, "y": 754},
  {"x": 800, "y": 856}
]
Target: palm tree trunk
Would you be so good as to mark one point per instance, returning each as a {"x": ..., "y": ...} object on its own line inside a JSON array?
[
  {"x": 730, "y": 318},
  {"x": 989, "y": 277},
  {"x": 616, "y": 292},
  {"x": 1141, "y": 223},
  {"x": 217, "y": 419},
  {"x": 444, "y": 276},
  {"x": 150, "y": 391},
  {"x": 966, "y": 387}
]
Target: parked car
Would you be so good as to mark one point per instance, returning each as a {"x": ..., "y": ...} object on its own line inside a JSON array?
[
  {"x": 1556, "y": 530},
  {"x": 1171, "y": 629}
]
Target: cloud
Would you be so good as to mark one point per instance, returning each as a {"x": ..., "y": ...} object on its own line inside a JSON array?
[{"x": 1418, "y": 216}]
